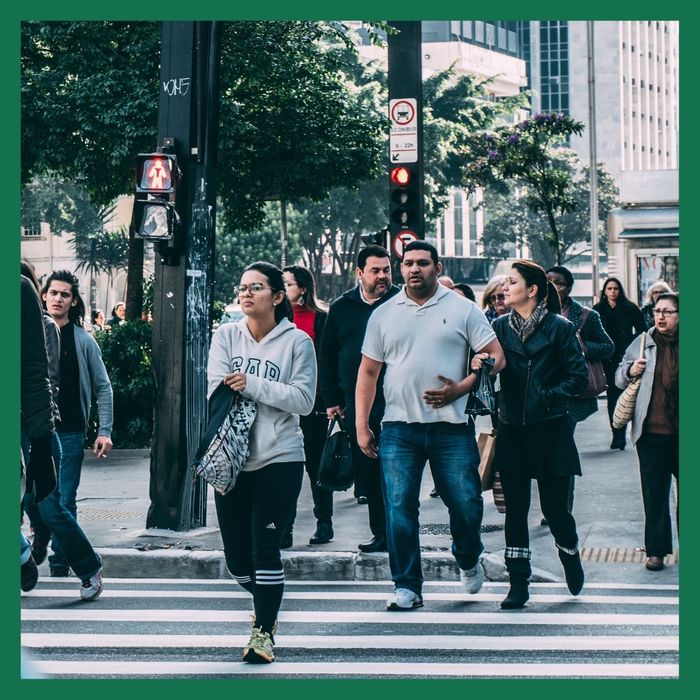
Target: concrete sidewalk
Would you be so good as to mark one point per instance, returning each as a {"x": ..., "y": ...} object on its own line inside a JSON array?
[{"x": 113, "y": 501}]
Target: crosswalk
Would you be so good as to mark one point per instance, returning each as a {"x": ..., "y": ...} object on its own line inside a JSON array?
[{"x": 196, "y": 628}]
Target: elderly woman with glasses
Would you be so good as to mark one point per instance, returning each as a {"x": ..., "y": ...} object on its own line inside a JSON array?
[
  {"x": 652, "y": 295},
  {"x": 655, "y": 422},
  {"x": 493, "y": 299}
]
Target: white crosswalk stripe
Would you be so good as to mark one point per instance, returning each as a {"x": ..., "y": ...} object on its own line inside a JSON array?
[{"x": 197, "y": 628}]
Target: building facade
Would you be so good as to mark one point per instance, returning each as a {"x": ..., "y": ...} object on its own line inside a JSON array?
[{"x": 636, "y": 96}]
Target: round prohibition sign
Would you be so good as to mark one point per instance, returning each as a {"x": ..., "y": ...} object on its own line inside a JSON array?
[
  {"x": 403, "y": 113},
  {"x": 401, "y": 240}
]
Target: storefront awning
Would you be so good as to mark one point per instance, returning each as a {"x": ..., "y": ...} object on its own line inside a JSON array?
[{"x": 649, "y": 233}]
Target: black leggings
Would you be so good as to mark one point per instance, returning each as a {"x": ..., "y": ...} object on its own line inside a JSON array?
[
  {"x": 252, "y": 518},
  {"x": 554, "y": 495}
]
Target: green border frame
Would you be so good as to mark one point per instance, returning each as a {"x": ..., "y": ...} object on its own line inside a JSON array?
[{"x": 9, "y": 423}]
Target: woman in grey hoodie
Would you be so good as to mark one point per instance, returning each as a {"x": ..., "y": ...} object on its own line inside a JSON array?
[{"x": 269, "y": 360}]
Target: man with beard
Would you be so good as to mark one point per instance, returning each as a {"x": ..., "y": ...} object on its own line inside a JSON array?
[{"x": 339, "y": 362}]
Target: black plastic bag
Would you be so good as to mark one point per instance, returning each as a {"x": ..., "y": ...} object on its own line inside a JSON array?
[
  {"x": 336, "y": 471},
  {"x": 482, "y": 398}
]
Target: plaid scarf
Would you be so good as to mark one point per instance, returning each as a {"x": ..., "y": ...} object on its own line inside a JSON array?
[{"x": 525, "y": 328}]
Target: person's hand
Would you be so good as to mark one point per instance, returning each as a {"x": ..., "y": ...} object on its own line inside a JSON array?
[
  {"x": 437, "y": 398},
  {"x": 478, "y": 360},
  {"x": 637, "y": 368},
  {"x": 41, "y": 472},
  {"x": 102, "y": 447},
  {"x": 367, "y": 442},
  {"x": 236, "y": 381},
  {"x": 334, "y": 411}
]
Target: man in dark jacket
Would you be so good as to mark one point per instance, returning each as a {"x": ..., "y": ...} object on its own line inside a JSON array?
[
  {"x": 36, "y": 410},
  {"x": 339, "y": 362}
]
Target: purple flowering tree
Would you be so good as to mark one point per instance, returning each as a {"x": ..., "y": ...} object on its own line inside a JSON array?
[{"x": 524, "y": 156}]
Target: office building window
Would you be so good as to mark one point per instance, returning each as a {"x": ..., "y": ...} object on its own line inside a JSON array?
[{"x": 554, "y": 66}]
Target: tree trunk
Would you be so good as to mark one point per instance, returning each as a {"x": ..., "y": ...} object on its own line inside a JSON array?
[{"x": 134, "y": 279}]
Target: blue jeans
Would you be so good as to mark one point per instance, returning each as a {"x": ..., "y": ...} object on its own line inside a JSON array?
[
  {"x": 70, "y": 544},
  {"x": 451, "y": 449},
  {"x": 73, "y": 450}
]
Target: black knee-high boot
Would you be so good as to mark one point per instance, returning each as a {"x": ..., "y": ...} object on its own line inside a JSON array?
[{"x": 519, "y": 573}]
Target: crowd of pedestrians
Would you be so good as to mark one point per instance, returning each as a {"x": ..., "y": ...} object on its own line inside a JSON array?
[{"x": 395, "y": 367}]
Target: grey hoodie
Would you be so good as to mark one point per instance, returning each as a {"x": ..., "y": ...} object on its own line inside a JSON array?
[{"x": 281, "y": 379}]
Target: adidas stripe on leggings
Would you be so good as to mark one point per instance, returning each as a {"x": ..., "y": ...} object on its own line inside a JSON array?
[{"x": 252, "y": 518}]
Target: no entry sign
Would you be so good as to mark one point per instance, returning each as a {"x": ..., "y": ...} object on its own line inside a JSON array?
[{"x": 401, "y": 240}]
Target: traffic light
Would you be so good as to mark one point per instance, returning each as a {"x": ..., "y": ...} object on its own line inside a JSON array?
[
  {"x": 376, "y": 238},
  {"x": 155, "y": 216},
  {"x": 405, "y": 206}
]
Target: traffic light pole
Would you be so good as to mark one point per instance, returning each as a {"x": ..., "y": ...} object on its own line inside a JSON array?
[
  {"x": 406, "y": 136},
  {"x": 187, "y": 125}
]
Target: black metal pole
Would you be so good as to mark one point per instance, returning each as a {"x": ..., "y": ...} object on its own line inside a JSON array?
[{"x": 183, "y": 281}]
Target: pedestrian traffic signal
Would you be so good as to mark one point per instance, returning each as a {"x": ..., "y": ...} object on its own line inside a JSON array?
[
  {"x": 155, "y": 216},
  {"x": 155, "y": 219},
  {"x": 404, "y": 199},
  {"x": 156, "y": 173}
]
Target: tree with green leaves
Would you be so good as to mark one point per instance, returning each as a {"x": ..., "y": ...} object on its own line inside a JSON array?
[
  {"x": 454, "y": 108},
  {"x": 510, "y": 222},
  {"x": 292, "y": 125},
  {"x": 524, "y": 156}
]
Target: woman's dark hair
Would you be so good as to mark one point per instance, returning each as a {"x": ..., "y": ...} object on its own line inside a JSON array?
[
  {"x": 669, "y": 296},
  {"x": 94, "y": 314},
  {"x": 533, "y": 273},
  {"x": 564, "y": 272},
  {"x": 622, "y": 298},
  {"x": 304, "y": 278},
  {"x": 276, "y": 280},
  {"x": 27, "y": 270},
  {"x": 76, "y": 313},
  {"x": 466, "y": 290},
  {"x": 115, "y": 307}
]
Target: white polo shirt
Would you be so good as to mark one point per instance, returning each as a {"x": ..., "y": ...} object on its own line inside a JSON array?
[{"x": 416, "y": 343}]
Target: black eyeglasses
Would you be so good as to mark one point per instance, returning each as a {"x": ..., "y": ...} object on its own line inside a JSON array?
[
  {"x": 497, "y": 297},
  {"x": 664, "y": 312}
]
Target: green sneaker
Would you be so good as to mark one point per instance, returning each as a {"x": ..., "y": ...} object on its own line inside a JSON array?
[{"x": 259, "y": 648}]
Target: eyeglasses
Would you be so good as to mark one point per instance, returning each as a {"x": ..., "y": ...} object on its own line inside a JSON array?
[
  {"x": 664, "y": 312},
  {"x": 253, "y": 288},
  {"x": 497, "y": 297}
]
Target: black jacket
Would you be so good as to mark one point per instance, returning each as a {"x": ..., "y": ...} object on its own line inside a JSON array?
[
  {"x": 36, "y": 405},
  {"x": 341, "y": 349},
  {"x": 623, "y": 324},
  {"x": 542, "y": 375}
]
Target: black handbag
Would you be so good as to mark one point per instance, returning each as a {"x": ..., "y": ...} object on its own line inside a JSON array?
[
  {"x": 336, "y": 471},
  {"x": 482, "y": 398}
]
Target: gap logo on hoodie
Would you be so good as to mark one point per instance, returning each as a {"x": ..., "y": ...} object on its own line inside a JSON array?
[{"x": 271, "y": 371}]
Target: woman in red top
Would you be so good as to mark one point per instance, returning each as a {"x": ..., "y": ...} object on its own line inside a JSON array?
[{"x": 310, "y": 316}]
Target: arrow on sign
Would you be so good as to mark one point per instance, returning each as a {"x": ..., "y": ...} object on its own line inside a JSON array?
[{"x": 394, "y": 156}]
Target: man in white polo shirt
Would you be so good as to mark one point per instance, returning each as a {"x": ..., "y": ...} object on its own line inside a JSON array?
[{"x": 423, "y": 336}]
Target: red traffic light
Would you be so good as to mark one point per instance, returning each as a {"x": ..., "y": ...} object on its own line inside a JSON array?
[
  {"x": 156, "y": 173},
  {"x": 401, "y": 176}
]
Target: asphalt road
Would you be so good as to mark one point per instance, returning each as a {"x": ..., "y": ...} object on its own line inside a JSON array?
[{"x": 179, "y": 628}]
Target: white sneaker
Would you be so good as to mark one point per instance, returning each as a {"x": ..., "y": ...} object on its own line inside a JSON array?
[
  {"x": 404, "y": 599},
  {"x": 92, "y": 587},
  {"x": 472, "y": 579}
]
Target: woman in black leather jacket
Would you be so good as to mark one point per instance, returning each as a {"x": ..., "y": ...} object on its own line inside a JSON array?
[{"x": 544, "y": 369}]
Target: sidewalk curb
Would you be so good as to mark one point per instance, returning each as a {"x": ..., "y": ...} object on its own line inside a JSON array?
[{"x": 304, "y": 566}]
